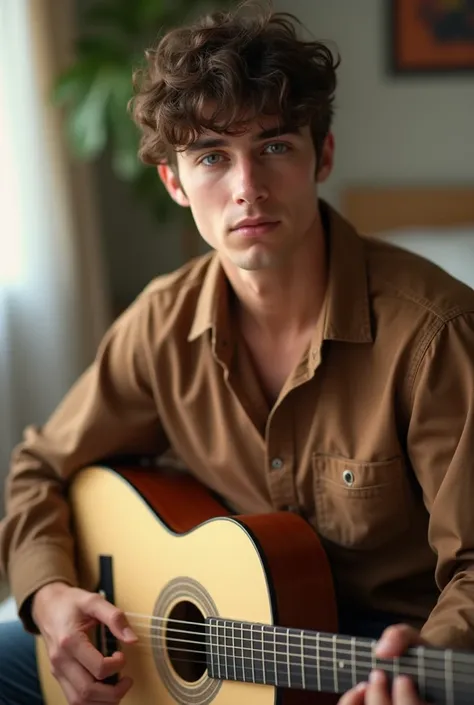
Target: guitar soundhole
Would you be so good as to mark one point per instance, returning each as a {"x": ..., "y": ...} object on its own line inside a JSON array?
[{"x": 186, "y": 641}]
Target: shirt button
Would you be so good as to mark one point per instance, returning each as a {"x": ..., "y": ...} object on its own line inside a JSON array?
[
  {"x": 277, "y": 464},
  {"x": 348, "y": 477}
]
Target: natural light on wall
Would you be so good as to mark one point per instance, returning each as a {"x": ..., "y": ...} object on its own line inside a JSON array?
[{"x": 10, "y": 226}]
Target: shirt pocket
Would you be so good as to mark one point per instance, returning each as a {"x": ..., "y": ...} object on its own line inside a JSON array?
[{"x": 360, "y": 505}]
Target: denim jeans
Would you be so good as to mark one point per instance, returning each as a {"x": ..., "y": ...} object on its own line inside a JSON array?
[{"x": 19, "y": 683}]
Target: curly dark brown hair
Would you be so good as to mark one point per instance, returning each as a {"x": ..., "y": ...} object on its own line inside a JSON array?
[{"x": 225, "y": 70}]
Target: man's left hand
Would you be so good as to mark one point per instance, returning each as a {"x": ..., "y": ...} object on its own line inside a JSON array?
[{"x": 393, "y": 642}]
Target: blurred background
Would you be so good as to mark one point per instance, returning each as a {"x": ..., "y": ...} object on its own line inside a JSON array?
[{"x": 84, "y": 227}]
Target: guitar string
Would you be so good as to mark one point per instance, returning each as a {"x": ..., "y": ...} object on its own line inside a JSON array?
[
  {"x": 429, "y": 652},
  {"x": 157, "y": 636},
  {"x": 324, "y": 671},
  {"x": 318, "y": 642},
  {"x": 384, "y": 664}
]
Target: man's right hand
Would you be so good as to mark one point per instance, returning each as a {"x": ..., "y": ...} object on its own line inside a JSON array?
[{"x": 64, "y": 615}]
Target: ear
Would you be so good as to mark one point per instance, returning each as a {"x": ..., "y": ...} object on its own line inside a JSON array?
[
  {"x": 326, "y": 161},
  {"x": 170, "y": 178}
]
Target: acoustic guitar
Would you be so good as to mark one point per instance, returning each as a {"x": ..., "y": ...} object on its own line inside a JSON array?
[{"x": 228, "y": 609}]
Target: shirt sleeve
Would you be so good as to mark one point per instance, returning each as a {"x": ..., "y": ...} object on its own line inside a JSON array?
[
  {"x": 110, "y": 411},
  {"x": 441, "y": 450}
]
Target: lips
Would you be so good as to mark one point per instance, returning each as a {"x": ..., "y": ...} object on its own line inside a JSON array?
[
  {"x": 256, "y": 230},
  {"x": 254, "y": 223}
]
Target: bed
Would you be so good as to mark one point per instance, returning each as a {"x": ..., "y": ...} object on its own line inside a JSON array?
[{"x": 435, "y": 222}]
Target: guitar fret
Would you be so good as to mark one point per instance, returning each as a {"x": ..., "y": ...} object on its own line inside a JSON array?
[
  {"x": 210, "y": 644},
  {"x": 226, "y": 663},
  {"x": 214, "y": 658},
  {"x": 396, "y": 666},
  {"x": 219, "y": 641},
  {"x": 275, "y": 655},
  {"x": 288, "y": 656},
  {"x": 318, "y": 661},
  {"x": 448, "y": 674},
  {"x": 234, "y": 655},
  {"x": 242, "y": 642},
  {"x": 248, "y": 653},
  {"x": 303, "y": 678},
  {"x": 354, "y": 661},
  {"x": 335, "y": 662},
  {"x": 219, "y": 650},
  {"x": 263, "y": 655},
  {"x": 251, "y": 653},
  {"x": 420, "y": 653}
]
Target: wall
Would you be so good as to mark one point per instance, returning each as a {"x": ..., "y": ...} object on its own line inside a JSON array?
[{"x": 389, "y": 129}]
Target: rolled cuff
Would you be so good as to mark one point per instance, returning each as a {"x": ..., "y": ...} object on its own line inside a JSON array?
[
  {"x": 448, "y": 637},
  {"x": 31, "y": 570}
]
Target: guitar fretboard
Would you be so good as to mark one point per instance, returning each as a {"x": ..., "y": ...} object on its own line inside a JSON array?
[{"x": 301, "y": 659}]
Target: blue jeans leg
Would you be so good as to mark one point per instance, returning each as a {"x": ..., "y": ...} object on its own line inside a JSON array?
[{"x": 19, "y": 683}]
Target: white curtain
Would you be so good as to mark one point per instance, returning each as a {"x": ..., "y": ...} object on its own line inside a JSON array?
[{"x": 53, "y": 297}]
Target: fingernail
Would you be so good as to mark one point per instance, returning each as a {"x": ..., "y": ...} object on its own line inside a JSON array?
[
  {"x": 402, "y": 681},
  {"x": 381, "y": 647},
  {"x": 129, "y": 634},
  {"x": 377, "y": 677}
]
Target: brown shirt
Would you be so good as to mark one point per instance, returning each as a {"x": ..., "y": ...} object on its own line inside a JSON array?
[{"x": 371, "y": 439}]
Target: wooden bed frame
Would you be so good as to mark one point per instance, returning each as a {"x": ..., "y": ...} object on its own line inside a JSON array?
[{"x": 376, "y": 209}]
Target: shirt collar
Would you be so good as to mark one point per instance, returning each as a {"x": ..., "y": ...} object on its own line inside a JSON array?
[
  {"x": 346, "y": 310},
  {"x": 212, "y": 299},
  {"x": 347, "y": 316}
]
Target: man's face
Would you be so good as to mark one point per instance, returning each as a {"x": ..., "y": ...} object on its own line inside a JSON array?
[{"x": 253, "y": 195}]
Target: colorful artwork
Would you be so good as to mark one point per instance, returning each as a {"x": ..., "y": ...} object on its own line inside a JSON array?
[{"x": 432, "y": 35}]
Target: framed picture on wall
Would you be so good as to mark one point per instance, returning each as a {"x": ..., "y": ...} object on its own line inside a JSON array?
[{"x": 432, "y": 36}]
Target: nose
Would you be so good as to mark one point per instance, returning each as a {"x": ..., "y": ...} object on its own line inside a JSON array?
[{"x": 249, "y": 184}]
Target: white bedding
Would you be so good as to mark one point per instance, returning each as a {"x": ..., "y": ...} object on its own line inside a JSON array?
[{"x": 450, "y": 248}]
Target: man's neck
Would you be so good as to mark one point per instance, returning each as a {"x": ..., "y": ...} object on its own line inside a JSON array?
[{"x": 283, "y": 301}]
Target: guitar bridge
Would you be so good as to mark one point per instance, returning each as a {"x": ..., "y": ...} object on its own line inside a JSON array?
[{"x": 106, "y": 642}]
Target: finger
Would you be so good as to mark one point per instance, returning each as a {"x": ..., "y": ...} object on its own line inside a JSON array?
[
  {"x": 355, "y": 696},
  {"x": 404, "y": 692},
  {"x": 111, "y": 693},
  {"x": 87, "y": 690},
  {"x": 73, "y": 697},
  {"x": 111, "y": 616},
  {"x": 396, "y": 640},
  {"x": 377, "y": 691},
  {"x": 81, "y": 649}
]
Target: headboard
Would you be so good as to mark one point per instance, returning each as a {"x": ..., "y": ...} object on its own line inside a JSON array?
[
  {"x": 375, "y": 209},
  {"x": 436, "y": 222}
]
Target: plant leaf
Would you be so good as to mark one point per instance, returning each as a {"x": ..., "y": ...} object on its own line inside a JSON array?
[
  {"x": 87, "y": 123},
  {"x": 73, "y": 84}
]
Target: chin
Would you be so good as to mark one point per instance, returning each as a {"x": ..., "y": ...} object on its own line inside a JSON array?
[{"x": 256, "y": 261}]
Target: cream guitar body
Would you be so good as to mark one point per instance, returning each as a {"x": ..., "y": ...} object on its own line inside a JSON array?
[{"x": 204, "y": 590}]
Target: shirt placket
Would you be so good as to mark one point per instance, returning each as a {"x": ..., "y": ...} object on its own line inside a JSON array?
[{"x": 280, "y": 461}]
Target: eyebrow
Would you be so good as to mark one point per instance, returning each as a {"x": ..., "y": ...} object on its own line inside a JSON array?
[{"x": 213, "y": 142}]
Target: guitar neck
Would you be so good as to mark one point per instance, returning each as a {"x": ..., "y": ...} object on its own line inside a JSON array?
[{"x": 307, "y": 660}]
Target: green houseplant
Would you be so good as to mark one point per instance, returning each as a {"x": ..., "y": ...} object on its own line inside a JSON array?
[{"x": 95, "y": 89}]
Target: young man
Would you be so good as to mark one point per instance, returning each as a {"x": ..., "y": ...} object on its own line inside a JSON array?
[{"x": 299, "y": 367}]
